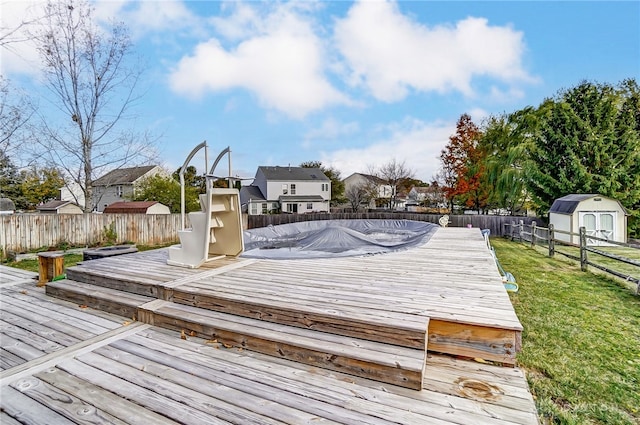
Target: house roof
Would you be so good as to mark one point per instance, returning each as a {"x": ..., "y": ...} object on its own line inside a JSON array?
[
  {"x": 123, "y": 176},
  {"x": 292, "y": 173},
  {"x": 54, "y": 205},
  {"x": 421, "y": 189},
  {"x": 568, "y": 204},
  {"x": 251, "y": 193},
  {"x": 132, "y": 207},
  {"x": 374, "y": 179}
]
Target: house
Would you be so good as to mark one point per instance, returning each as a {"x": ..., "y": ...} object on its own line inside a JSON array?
[
  {"x": 380, "y": 192},
  {"x": 287, "y": 189},
  {"x": 59, "y": 207},
  {"x": 72, "y": 192},
  {"x": 602, "y": 217},
  {"x": 420, "y": 193},
  {"x": 137, "y": 207},
  {"x": 118, "y": 185}
]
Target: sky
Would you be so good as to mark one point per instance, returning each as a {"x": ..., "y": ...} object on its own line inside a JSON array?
[{"x": 351, "y": 84}]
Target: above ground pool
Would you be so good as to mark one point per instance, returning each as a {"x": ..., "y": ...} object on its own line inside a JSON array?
[{"x": 335, "y": 238}]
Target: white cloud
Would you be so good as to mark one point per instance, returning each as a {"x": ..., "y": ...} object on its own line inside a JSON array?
[
  {"x": 242, "y": 22},
  {"x": 391, "y": 53},
  {"x": 331, "y": 129},
  {"x": 416, "y": 142},
  {"x": 143, "y": 17},
  {"x": 283, "y": 66},
  {"x": 18, "y": 53}
]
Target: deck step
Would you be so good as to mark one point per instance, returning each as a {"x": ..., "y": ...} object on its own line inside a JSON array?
[
  {"x": 98, "y": 297},
  {"x": 368, "y": 359},
  {"x": 113, "y": 279},
  {"x": 387, "y": 327}
]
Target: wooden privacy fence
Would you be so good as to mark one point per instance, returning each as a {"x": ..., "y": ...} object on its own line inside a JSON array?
[
  {"x": 495, "y": 223},
  {"x": 533, "y": 235},
  {"x": 28, "y": 232}
]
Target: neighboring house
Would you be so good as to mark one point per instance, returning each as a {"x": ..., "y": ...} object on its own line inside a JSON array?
[
  {"x": 419, "y": 193},
  {"x": 287, "y": 189},
  {"x": 382, "y": 191},
  {"x": 59, "y": 207},
  {"x": 73, "y": 193},
  {"x": 137, "y": 207},
  {"x": 602, "y": 217},
  {"x": 7, "y": 206},
  {"x": 118, "y": 185}
]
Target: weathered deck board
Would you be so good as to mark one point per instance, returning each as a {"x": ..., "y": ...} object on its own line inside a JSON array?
[
  {"x": 12, "y": 276},
  {"x": 33, "y": 325},
  {"x": 151, "y": 375}
]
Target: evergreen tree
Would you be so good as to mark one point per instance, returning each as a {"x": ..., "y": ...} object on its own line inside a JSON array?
[{"x": 587, "y": 141}]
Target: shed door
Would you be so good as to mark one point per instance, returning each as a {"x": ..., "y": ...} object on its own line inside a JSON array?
[{"x": 598, "y": 224}]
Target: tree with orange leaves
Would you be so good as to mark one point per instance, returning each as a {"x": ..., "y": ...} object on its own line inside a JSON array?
[{"x": 462, "y": 166}]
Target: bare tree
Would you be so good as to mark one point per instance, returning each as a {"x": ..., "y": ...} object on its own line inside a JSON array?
[
  {"x": 356, "y": 195},
  {"x": 392, "y": 173},
  {"x": 15, "y": 112},
  {"x": 91, "y": 73}
]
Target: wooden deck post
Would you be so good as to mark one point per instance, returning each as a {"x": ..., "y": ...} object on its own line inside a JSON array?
[
  {"x": 50, "y": 265},
  {"x": 583, "y": 249},
  {"x": 552, "y": 242}
]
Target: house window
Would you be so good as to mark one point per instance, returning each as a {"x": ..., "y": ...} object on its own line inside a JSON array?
[
  {"x": 293, "y": 189},
  {"x": 309, "y": 206},
  {"x": 285, "y": 189},
  {"x": 119, "y": 191},
  {"x": 254, "y": 208},
  {"x": 264, "y": 208},
  {"x": 292, "y": 208},
  {"x": 325, "y": 187}
]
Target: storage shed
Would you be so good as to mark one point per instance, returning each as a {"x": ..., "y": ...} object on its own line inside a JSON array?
[
  {"x": 602, "y": 217},
  {"x": 59, "y": 207},
  {"x": 137, "y": 207}
]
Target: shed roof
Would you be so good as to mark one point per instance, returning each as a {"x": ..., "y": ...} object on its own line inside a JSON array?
[
  {"x": 292, "y": 173},
  {"x": 132, "y": 207},
  {"x": 123, "y": 176},
  {"x": 568, "y": 204},
  {"x": 53, "y": 205}
]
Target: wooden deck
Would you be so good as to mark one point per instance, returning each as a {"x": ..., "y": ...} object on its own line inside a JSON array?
[
  {"x": 358, "y": 330},
  {"x": 64, "y": 363}
]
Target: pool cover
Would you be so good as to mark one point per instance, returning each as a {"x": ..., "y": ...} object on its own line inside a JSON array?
[{"x": 335, "y": 238}]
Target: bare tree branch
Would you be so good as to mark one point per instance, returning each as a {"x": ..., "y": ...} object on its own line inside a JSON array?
[{"x": 92, "y": 77}]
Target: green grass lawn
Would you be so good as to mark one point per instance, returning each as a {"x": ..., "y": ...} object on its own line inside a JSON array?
[{"x": 581, "y": 339}]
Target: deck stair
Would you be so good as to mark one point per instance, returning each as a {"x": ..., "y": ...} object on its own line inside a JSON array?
[{"x": 335, "y": 339}]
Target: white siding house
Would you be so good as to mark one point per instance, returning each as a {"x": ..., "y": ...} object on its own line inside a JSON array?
[
  {"x": 602, "y": 217},
  {"x": 380, "y": 190},
  {"x": 295, "y": 190},
  {"x": 118, "y": 185}
]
